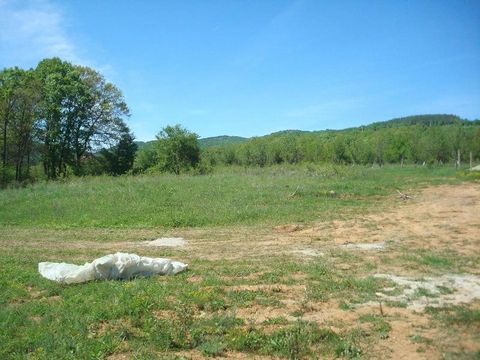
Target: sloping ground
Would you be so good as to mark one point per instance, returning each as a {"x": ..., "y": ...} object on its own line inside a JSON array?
[{"x": 387, "y": 283}]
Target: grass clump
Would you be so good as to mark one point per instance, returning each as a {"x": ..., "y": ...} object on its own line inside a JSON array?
[
  {"x": 460, "y": 315},
  {"x": 379, "y": 323},
  {"x": 348, "y": 288}
]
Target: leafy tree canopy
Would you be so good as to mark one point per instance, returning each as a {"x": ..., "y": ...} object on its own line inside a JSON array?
[{"x": 177, "y": 149}]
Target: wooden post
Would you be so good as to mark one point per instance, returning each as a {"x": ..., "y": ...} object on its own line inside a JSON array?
[
  {"x": 458, "y": 158},
  {"x": 471, "y": 164}
]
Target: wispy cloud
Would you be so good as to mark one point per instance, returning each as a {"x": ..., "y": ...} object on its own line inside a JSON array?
[{"x": 32, "y": 30}]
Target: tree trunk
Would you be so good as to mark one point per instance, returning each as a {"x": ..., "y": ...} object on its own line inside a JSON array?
[{"x": 4, "y": 152}]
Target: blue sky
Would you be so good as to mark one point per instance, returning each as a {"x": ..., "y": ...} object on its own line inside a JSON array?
[{"x": 253, "y": 67}]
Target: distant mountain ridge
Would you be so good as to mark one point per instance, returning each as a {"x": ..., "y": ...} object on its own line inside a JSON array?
[{"x": 425, "y": 120}]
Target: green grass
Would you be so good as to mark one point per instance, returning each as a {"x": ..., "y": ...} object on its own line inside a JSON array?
[
  {"x": 379, "y": 323},
  {"x": 435, "y": 261},
  {"x": 146, "y": 317},
  {"x": 232, "y": 196},
  {"x": 457, "y": 315},
  {"x": 454, "y": 320},
  {"x": 159, "y": 317}
]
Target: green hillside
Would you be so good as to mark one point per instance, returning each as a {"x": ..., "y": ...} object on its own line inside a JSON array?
[
  {"x": 424, "y": 120},
  {"x": 415, "y": 139},
  {"x": 220, "y": 140}
]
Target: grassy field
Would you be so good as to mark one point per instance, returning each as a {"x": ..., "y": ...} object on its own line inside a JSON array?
[
  {"x": 253, "y": 288},
  {"x": 251, "y": 196}
]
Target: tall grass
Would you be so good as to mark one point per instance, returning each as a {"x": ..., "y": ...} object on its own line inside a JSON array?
[{"x": 231, "y": 196}]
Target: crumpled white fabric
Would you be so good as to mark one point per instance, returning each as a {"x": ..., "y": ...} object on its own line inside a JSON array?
[{"x": 115, "y": 266}]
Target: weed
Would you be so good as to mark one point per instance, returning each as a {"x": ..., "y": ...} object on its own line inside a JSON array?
[
  {"x": 213, "y": 347},
  {"x": 422, "y": 292},
  {"x": 380, "y": 324},
  {"x": 421, "y": 339},
  {"x": 294, "y": 342},
  {"x": 279, "y": 320}
]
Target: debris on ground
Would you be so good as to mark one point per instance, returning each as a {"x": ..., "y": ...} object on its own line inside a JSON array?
[
  {"x": 169, "y": 242},
  {"x": 366, "y": 246},
  {"x": 404, "y": 196},
  {"x": 110, "y": 267}
]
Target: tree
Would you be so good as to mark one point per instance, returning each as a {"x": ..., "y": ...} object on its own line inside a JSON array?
[
  {"x": 177, "y": 149},
  {"x": 9, "y": 85},
  {"x": 62, "y": 96},
  {"x": 80, "y": 112},
  {"x": 119, "y": 159},
  {"x": 19, "y": 96},
  {"x": 23, "y": 125},
  {"x": 101, "y": 119},
  {"x": 145, "y": 158}
]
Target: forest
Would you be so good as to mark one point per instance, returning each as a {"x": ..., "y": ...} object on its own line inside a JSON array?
[
  {"x": 422, "y": 139},
  {"x": 60, "y": 120}
]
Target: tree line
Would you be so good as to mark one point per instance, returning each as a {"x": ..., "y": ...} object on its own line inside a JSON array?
[
  {"x": 424, "y": 139},
  {"x": 59, "y": 119},
  {"x": 420, "y": 143}
]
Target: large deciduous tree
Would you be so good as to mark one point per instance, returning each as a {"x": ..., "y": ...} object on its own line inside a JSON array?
[
  {"x": 80, "y": 111},
  {"x": 177, "y": 149},
  {"x": 102, "y": 117}
]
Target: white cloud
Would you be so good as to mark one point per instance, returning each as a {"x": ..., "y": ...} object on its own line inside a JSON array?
[{"x": 33, "y": 30}]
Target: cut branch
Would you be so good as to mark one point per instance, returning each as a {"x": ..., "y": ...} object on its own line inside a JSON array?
[
  {"x": 294, "y": 193},
  {"x": 404, "y": 196}
]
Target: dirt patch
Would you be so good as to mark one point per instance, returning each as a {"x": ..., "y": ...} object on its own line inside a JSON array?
[
  {"x": 119, "y": 356},
  {"x": 164, "y": 314},
  {"x": 399, "y": 344},
  {"x": 307, "y": 252},
  {"x": 168, "y": 242},
  {"x": 260, "y": 314},
  {"x": 197, "y": 355},
  {"x": 442, "y": 217},
  {"x": 287, "y": 228}
]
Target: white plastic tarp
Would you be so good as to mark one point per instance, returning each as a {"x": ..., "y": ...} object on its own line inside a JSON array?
[{"x": 114, "y": 266}]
